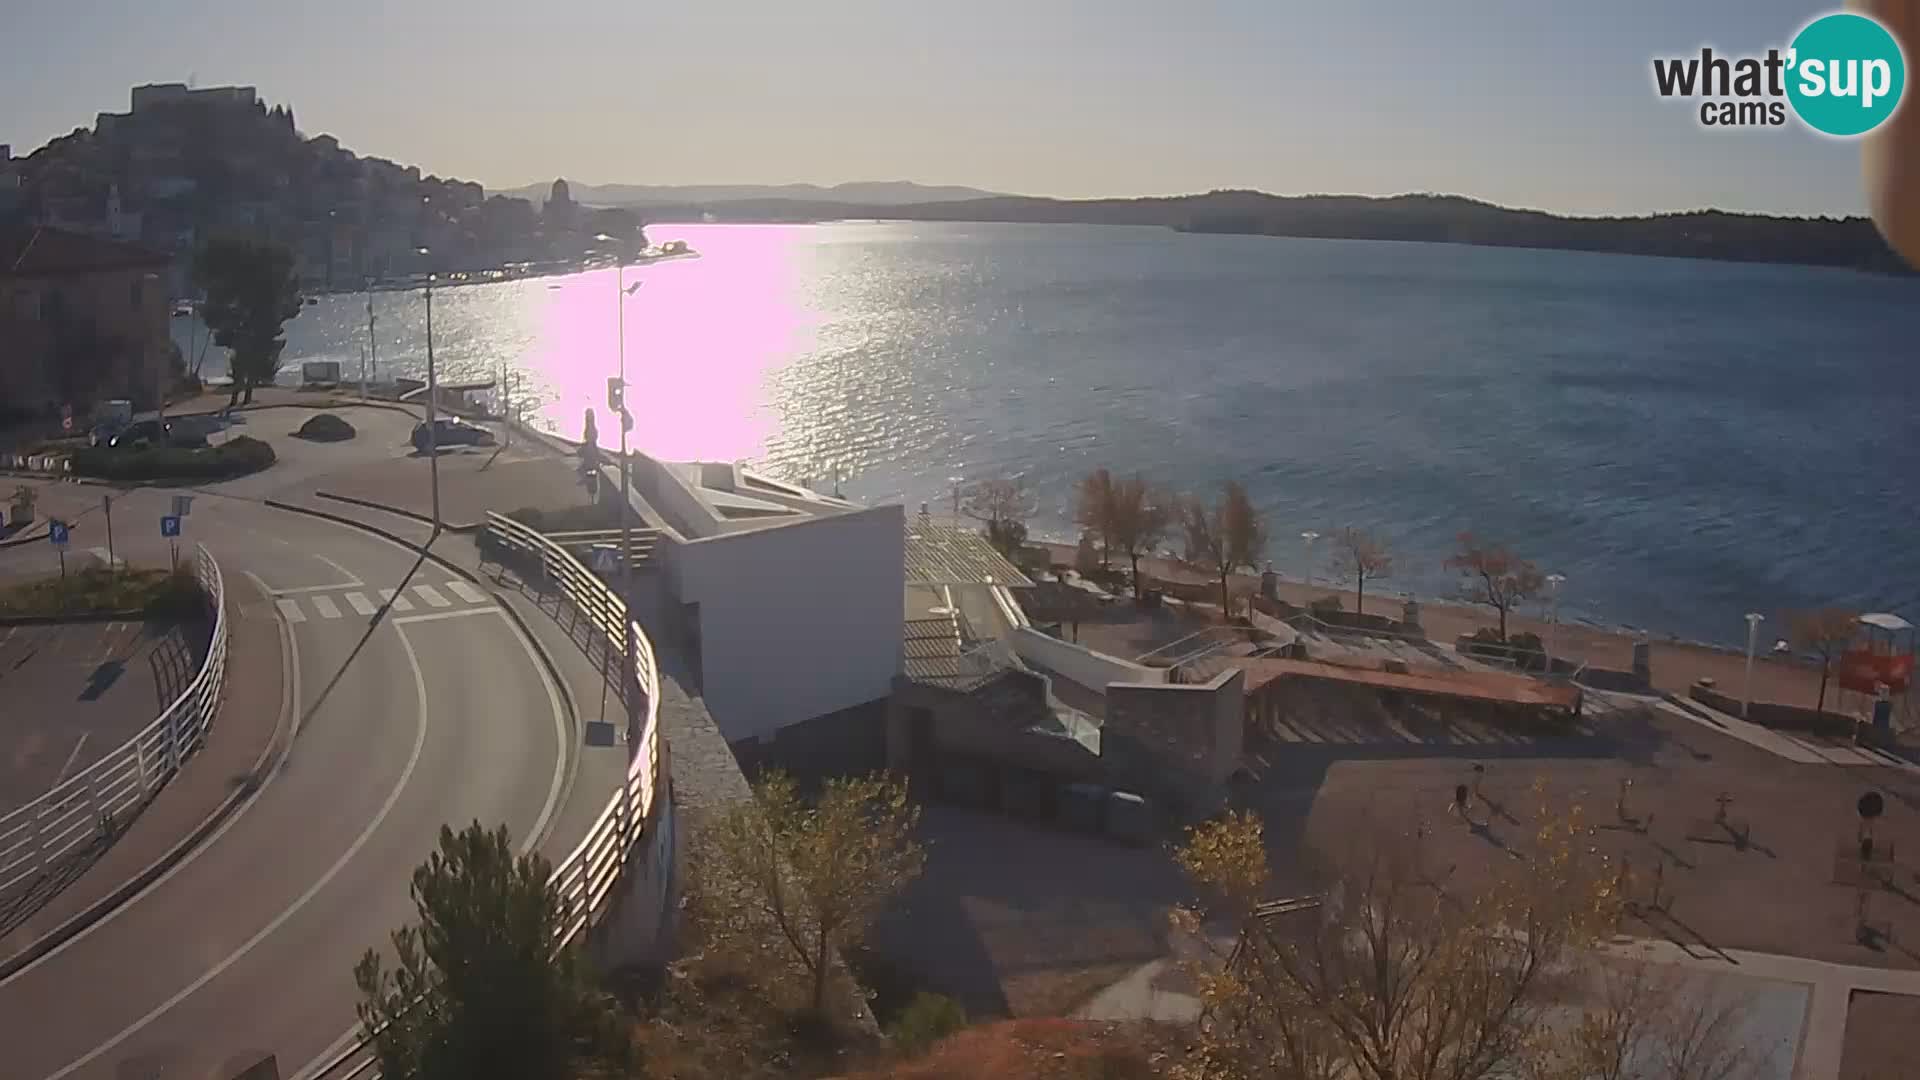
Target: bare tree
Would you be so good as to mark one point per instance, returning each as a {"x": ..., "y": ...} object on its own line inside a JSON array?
[
  {"x": 1003, "y": 505},
  {"x": 1825, "y": 632},
  {"x": 1359, "y": 557},
  {"x": 1141, "y": 517},
  {"x": 1223, "y": 537},
  {"x": 1094, "y": 510},
  {"x": 1640, "y": 1021},
  {"x": 1495, "y": 577}
]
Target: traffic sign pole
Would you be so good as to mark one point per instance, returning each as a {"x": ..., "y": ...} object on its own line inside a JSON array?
[{"x": 106, "y": 502}]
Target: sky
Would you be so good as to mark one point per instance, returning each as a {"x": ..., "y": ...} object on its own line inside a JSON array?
[{"x": 1535, "y": 104}]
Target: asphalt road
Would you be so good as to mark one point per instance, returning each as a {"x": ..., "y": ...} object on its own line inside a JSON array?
[{"x": 439, "y": 712}]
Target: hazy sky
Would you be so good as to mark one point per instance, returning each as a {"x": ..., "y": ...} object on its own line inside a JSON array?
[{"x": 1530, "y": 102}]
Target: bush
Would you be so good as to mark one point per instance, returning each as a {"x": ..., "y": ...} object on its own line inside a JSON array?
[
  {"x": 326, "y": 427},
  {"x": 925, "y": 1021},
  {"x": 1527, "y": 650},
  {"x": 1326, "y": 605},
  {"x": 237, "y": 456}
]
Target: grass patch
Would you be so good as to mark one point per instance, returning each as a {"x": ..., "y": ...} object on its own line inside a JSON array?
[
  {"x": 97, "y": 589},
  {"x": 237, "y": 456}
]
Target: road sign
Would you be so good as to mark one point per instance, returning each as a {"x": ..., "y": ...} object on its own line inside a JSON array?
[
  {"x": 182, "y": 505},
  {"x": 170, "y": 526},
  {"x": 57, "y": 532},
  {"x": 605, "y": 558}
]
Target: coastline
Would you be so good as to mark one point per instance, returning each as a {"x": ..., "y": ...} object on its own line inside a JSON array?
[{"x": 1676, "y": 663}]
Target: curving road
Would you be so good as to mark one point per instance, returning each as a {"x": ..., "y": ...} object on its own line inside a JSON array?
[{"x": 438, "y": 712}]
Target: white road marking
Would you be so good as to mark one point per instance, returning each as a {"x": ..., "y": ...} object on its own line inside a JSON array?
[
  {"x": 71, "y": 758},
  {"x": 290, "y": 610},
  {"x": 436, "y": 616},
  {"x": 395, "y": 600},
  {"x": 344, "y": 572},
  {"x": 304, "y": 590},
  {"x": 324, "y": 604},
  {"x": 359, "y": 603},
  {"x": 419, "y": 741},
  {"x": 432, "y": 596},
  {"x": 467, "y": 592}
]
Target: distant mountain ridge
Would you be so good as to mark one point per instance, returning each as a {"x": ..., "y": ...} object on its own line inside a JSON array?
[
  {"x": 866, "y": 192},
  {"x": 1851, "y": 242}
]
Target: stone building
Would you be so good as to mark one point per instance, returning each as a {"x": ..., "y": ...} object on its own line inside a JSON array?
[{"x": 81, "y": 319}]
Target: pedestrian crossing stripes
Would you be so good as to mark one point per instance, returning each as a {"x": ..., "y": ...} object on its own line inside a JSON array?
[{"x": 324, "y": 606}]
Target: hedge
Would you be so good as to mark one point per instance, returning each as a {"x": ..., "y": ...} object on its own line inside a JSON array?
[{"x": 237, "y": 456}]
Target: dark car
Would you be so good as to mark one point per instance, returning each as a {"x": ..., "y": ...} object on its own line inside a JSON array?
[
  {"x": 448, "y": 431},
  {"x": 141, "y": 434}
]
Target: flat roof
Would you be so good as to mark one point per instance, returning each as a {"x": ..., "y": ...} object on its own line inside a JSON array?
[
  {"x": 952, "y": 555},
  {"x": 1475, "y": 685}
]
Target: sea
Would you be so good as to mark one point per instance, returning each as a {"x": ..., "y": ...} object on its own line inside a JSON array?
[{"x": 1684, "y": 441}]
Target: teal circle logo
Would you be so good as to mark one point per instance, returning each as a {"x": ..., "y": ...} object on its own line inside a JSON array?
[{"x": 1846, "y": 74}]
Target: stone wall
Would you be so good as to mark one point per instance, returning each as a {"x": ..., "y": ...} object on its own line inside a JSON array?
[{"x": 1176, "y": 743}]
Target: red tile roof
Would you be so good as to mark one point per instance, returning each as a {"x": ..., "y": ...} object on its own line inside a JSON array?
[{"x": 44, "y": 252}]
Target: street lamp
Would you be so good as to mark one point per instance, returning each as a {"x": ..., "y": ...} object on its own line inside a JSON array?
[
  {"x": 621, "y": 293},
  {"x": 1754, "y": 619},
  {"x": 1308, "y": 538},
  {"x": 433, "y": 393},
  {"x": 1554, "y": 581}
]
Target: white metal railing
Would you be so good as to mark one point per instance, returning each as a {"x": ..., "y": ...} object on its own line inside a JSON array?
[
  {"x": 587, "y": 876},
  {"x": 52, "y": 833}
]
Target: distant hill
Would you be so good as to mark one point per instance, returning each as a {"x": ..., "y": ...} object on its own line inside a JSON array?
[
  {"x": 869, "y": 193},
  {"x": 1702, "y": 234}
]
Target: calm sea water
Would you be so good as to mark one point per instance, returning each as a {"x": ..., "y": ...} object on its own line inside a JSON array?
[{"x": 1686, "y": 441}]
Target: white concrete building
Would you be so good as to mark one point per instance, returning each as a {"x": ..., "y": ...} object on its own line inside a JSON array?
[{"x": 787, "y": 601}]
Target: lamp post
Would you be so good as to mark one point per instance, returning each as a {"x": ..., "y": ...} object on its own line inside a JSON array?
[
  {"x": 433, "y": 423},
  {"x": 1308, "y": 538},
  {"x": 621, "y": 293},
  {"x": 1754, "y": 619},
  {"x": 1554, "y": 581}
]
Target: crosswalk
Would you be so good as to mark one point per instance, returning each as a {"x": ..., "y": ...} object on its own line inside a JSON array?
[{"x": 325, "y": 606}]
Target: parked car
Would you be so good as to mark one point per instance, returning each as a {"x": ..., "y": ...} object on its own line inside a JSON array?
[
  {"x": 451, "y": 431},
  {"x": 141, "y": 434}
]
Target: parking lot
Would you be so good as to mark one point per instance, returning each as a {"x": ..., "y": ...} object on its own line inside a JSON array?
[{"x": 73, "y": 692}]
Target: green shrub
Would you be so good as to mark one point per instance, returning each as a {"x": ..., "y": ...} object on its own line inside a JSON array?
[
  {"x": 926, "y": 1020},
  {"x": 326, "y": 427},
  {"x": 1527, "y": 650},
  {"x": 237, "y": 456}
]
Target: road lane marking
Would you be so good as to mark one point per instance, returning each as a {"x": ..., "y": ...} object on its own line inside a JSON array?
[
  {"x": 290, "y": 610},
  {"x": 351, "y": 581},
  {"x": 432, "y": 596},
  {"x": 533, "y": 838},
  {"x": 467, "y": 592},
  {"x": 359, "y": 603},
  {"x": 395, "y": 601},
  {"x": 304, "y": 590},
  {"x": 436, "y": 616},
  {"x": 393, "y": 797},
  {"x": 71, "y": 758},
  {"x": 324, "y": 604}
]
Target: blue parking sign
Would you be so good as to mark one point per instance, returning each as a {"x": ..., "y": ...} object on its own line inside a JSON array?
[
  {"x": 57, "y": 532},
  {"x": 170, "y": 526}
]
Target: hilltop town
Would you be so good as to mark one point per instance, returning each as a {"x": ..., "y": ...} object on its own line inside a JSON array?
[{"x": 183, "y": 163}]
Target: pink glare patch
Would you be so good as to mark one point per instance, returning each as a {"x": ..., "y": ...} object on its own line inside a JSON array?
[{"x": 702, "y": 337}]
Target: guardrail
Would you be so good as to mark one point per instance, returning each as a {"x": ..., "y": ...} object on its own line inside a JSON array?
[
  {"x": 587, "y": 876},
  {"x": 52, "y": 835}
]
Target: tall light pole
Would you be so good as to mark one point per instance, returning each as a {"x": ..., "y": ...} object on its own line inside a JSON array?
[
  {"x": 1554, "y": 581},
  {"x": 620, "y": 295},
  {"x": 1308, "y": 538},
  {"x": 433, "y": 419},
  {"x": 1754, "y": 619},
  {"x": 373, "y": 345}
]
